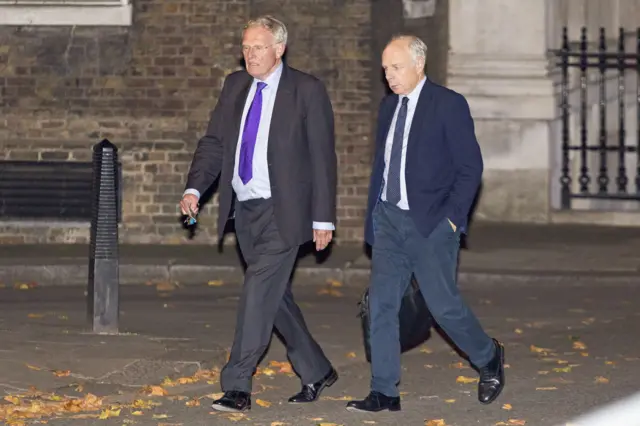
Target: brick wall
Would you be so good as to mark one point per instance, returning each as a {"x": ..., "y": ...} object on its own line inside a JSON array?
[{"x": 149, "y": 89}]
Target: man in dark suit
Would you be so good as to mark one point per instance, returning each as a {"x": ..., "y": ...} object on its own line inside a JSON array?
[
  {"x": 271, "y": 141},
  {"x": 426, "y": 172}
]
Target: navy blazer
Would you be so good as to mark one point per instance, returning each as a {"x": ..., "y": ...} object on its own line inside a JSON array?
[{"x": 444, "y": 165}]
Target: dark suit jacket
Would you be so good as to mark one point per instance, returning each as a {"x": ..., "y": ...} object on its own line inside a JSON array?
[
  {"x": 443, "y": 161},
  {"x": 301, "y": 152}
]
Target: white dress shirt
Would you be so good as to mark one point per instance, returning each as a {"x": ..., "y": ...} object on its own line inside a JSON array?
[
  {"x": 411, "y": 109},
  {"x": 259, "y": 186}
]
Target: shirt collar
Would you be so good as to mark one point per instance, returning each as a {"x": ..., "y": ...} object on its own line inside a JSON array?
[
  {"x": 415, "y": 93},
  {"x": 274, "y": 78}
]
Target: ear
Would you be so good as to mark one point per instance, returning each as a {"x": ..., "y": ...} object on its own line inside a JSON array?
[{"x": 280, "y": 48}]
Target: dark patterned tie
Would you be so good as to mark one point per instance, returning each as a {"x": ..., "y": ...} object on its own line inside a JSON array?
[
  {"x": 395, "y": 160},
  {"x": 249, "y": 136}
]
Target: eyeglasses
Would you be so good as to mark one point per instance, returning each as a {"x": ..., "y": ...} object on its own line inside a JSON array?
[{"x": 257, "y": 49}]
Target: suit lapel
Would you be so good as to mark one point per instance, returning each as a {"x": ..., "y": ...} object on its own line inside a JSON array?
[
  {"x": 283, "y": 106},
  {"x": 421, "y": 115},
  {"x": 238, "y": 109}
]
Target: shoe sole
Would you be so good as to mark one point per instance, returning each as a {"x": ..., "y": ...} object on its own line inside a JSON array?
[
  {"x": 503, "y": 379},
  {"x": 356, "y": 410},
  {"x": 330, "y": 382},
  {"x": 224, "y": 409}
]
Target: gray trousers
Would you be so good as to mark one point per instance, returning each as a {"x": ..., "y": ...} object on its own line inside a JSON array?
[
  {"x": 267, "y": 301},
  {"x": 398, "y": 251}
]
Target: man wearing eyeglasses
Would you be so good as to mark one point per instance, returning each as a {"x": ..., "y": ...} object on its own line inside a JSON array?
[{"x": 270, "y": 139}]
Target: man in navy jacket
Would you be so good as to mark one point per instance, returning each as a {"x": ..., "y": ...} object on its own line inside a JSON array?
[{"x": 426, "y": 173}]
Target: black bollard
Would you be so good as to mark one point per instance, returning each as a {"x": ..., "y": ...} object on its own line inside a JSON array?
[{"x": 102, "y": 295}]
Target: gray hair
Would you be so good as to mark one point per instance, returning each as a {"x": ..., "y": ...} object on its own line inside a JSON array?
[
  {"x": 275, "y": 26},
  {"x": 417, "y": 47}
]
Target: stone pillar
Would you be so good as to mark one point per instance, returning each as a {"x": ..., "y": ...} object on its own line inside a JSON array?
[{"x": 498, "y": 60}]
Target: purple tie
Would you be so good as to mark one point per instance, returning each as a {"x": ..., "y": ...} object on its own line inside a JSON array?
[{"x": 249, "y": 136}]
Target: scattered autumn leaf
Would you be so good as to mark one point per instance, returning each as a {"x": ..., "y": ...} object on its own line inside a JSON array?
[
  {"x": 458, "y": 365},
  {"x": 548, "y": 388},
  {"x": 518, "y": 331},
  {"x": 562, "y": 370},
  {"x": 426, "y": 350},
  {"x": 195, "y": 402},
  {"x": 165, "y": 286},
  {"x": 507, "y": 407},
  {"x": 215, "y": 283},
  {"x": 33, "y": 367},
  {"x": 538, "y": 350},
  {"x": 61, "y": 373},
  {"x": 578, "y": 345},
  {"x": 351, "y": 355},
  {"x": 109, "y": 412},
  {"x": 35, "y": 316},
  {"x": 160, "y": 416},
  {"x": 517, "y": 422},
  {"x": 465, "y": 380},
  {"x": 331, "y": 292},
  {"x": 610, "y": 363},
  {"x": 334, "y": 283},
  {"x": 435, "y": 422},
  {"x": 449, "y": 401},
  {"x": 279, "y": 424},
  {"x": 263, "y": 403},
  {"x": 601, "y": 379},
  {"x": 154, "y": 390}
]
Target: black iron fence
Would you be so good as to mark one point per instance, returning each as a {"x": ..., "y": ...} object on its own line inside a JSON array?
[{"x": 607, "y": 165}]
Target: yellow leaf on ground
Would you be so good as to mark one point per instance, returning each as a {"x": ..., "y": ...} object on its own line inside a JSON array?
[
  {"x": 165, "y": 286},
  {"x": 426, "y": 350},
  {"x": 610, "y": 363},
  {"x": 538, "y": 350},
  {"x": 160, "y": 416},
  {"x": 351, "y": 355},
  {"x": 338, "y": 398},
  {"x": 601, "y": 379},
  {"x": 268, "y": 372},
  {"x": 328, "y": 424},
  {"x": 518, "y": 331},
  {"x": 215, "y": 395},
  {"x": 236, "y": 417},
  {"x": 428, "y": 366},
  {"x": 154, "y": 390},
  {"x": 137, "y": 413},
  {"x": 459, "y": 365},
  {"x": 334, "y": 283},
  {"x": 507, "y": 407},
  {"x": 263, "y": 403},
  {"x": 517, "y": 422},
  {"x": 578, "y": 345},
  {"x": 449, "y": 401},
  {"x": 584, "y": 353},
  {"x": 464, "y": 379},
  {"x": 562, "y": 370},
  {"x": 195, "y": 402},
  {"x": 215, "y": 283},
  {"x": 435, "y": 422},
  {"x": 33, "y": 367},
  {"x": 548, "y": 388},
  {"x": 61, "y": 373},
  {"x": 106, "y": 413},
  {"x": 279, "y": 424},
  {"x": 35, "y": 315},
  {"x": 543, "y": 372}
]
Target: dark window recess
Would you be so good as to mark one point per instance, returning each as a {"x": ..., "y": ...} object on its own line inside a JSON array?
[{"x": 49, "y": 190}]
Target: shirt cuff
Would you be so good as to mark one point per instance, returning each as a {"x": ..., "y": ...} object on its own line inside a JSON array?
[
  {"x": 324, "y": 226},
  {"x": 192, "y": 192}
]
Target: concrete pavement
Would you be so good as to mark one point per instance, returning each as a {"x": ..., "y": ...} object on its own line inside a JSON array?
[
  {"x": 569, "y": 349},
  {"x": 512, "y": 253}
]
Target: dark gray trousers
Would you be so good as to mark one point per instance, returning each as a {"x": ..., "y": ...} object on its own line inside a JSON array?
[
  {"x": 267, "y": 301},
  {"x": 398, "y": 251}
]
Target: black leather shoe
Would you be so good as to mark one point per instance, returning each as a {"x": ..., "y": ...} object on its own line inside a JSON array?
[
  {"x": 375, "y": 402},
  {"x": 310, "y": 393},
  {"x": 233, "y": 402},
  {"x": 492, "y": 376}
]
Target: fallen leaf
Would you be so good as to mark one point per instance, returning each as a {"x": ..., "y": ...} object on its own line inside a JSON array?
[
  {"x": 579, "y": 346},
  {"x": 195, "y": 402},
  {"x": 165, "y": 286},
  {"x": 106, "y": 413},
  {"x": 517, "y": 422},
  {"x": 459, "y": 365},
  {"x": 137, "y": 413},
  {"x": 426, "y": 350},
  {"x": 35, "y": 315},
  {"x": 518, "y": 331},
  {"x": 154, "y": 390},
  {"x": 160, "y": 416},
  {"x": 351, "y": 355},
  {"x": 543, "y": 372},
  {"x": 562, "y": 361},
  {"x": 601, "y": 379},
  {"x": 334, "y": 283},
  {"x": 215, "y": 283},
  {"x": 33, "y": 367},
  {"x": 428, "y": 366},
  {"x": 215, "y": 395},
  {"x": 507, "y": 407},
  {"x": 463, "y": 379},
  {"x": 537, "y": 350},
  {"x": 449, "y": 401},
  {"x": 562, "y": 370},
  {"x": 588, "y": 321},
  {"x": 279, "y": 424},
  {"x": 61, "y": 373},
  {"x": 549, "y": 388},
  {"x": 610, "y": 363},
  {"x": 338, "y": 398},
  {"x": 435, "y": 422},
  {"x": 584, "y": 353},
  {"x": 263, "y": 403}
]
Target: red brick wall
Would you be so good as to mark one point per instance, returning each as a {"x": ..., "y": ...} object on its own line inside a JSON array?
[{"x": 149, "y": 89}]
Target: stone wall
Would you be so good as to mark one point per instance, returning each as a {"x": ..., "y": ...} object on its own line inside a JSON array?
[{"x": 149, "y": 89}]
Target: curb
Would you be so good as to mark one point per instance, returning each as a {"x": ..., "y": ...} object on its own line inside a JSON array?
[{"x": 357, "y": 277}]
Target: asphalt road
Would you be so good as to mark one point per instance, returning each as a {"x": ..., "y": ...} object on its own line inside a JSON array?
[{"x": 568, "y": 349}]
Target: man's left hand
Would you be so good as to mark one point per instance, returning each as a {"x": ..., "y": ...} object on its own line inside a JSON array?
[{"x": 322, "y": 238}]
